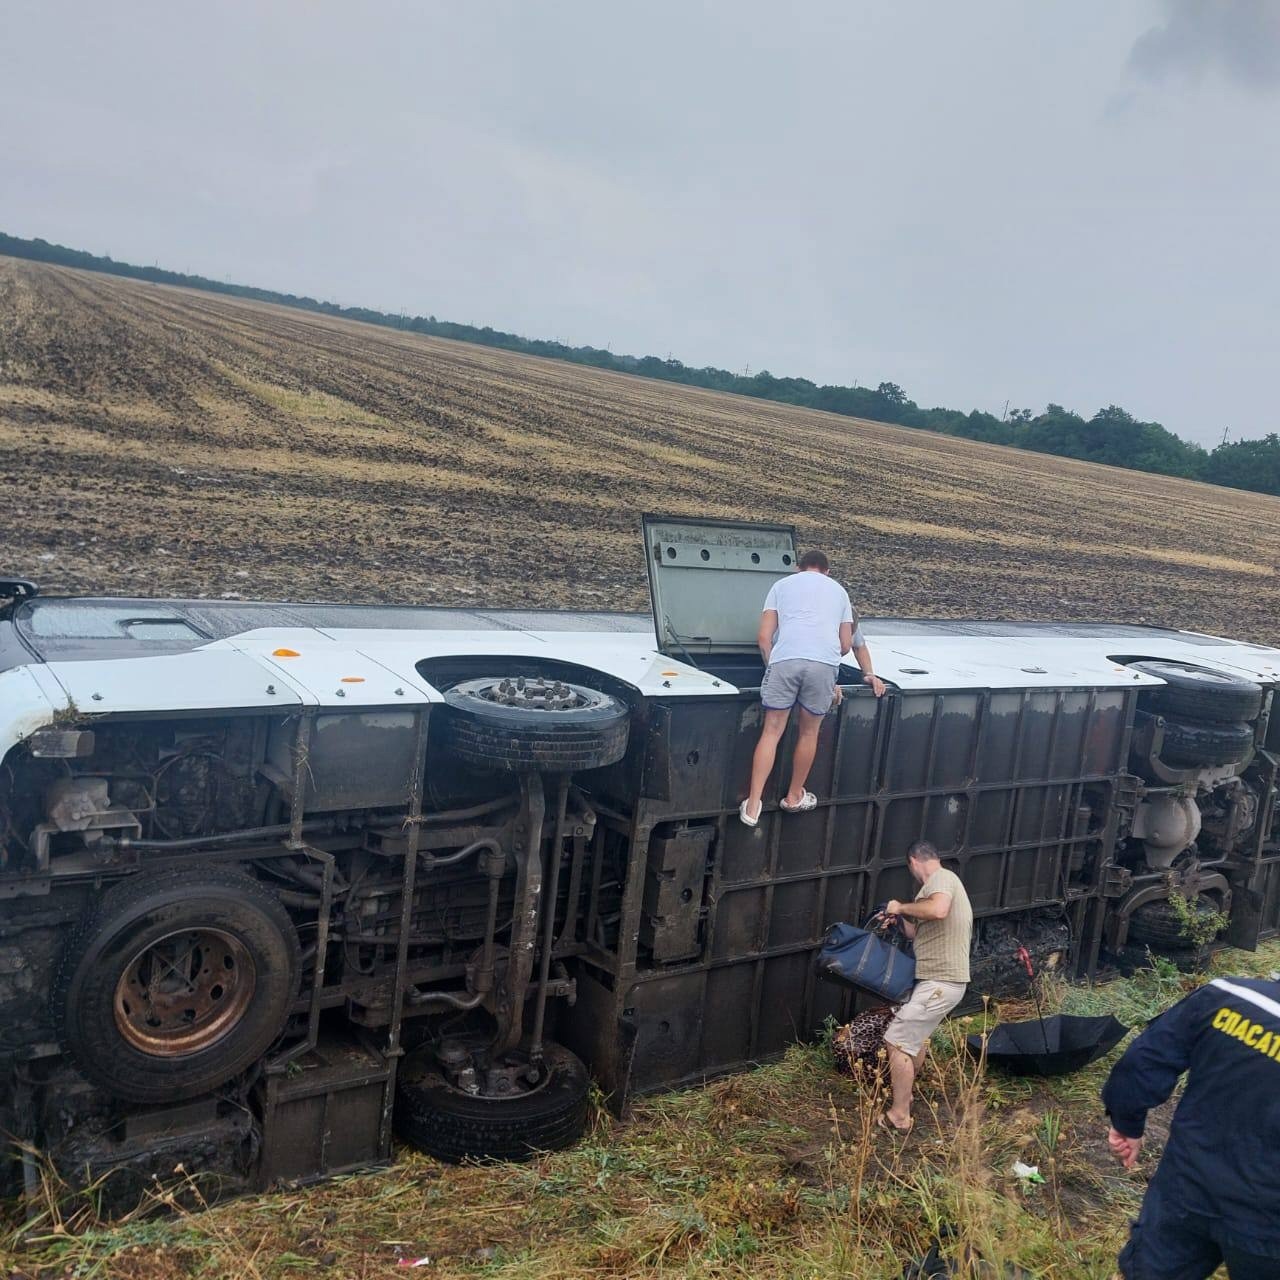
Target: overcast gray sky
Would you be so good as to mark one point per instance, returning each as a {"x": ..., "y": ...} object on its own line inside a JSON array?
[{"x": 988, "y": 201}]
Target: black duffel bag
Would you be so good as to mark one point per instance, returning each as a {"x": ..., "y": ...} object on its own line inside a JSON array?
[{"x": 865, "y": 959}]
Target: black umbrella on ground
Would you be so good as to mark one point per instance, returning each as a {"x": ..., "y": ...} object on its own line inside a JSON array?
[{"x": 1053, "y": 1046}]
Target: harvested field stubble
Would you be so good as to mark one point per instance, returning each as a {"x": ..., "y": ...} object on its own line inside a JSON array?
[{"x": 166, "y": 442}]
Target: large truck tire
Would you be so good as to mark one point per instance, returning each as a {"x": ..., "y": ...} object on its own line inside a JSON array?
[
  {"x": 432, "y": 1116},
  {"x": 174, "y": 983},
  {"x": 1199, "y": 695},
  {"x": 1155, "y": 924},
  {"x": 532, "y": 724},
  {"x": 1193, "y": 744}
]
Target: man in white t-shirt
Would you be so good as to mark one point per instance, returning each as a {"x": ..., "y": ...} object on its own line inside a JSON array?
[{"x": 807, "y": 626}]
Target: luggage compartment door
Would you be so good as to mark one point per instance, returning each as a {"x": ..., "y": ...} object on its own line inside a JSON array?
[{"x": 708, "y": 580}]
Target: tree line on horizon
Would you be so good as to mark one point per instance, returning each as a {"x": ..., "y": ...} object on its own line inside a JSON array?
[{"x": 1111, "y": 436}]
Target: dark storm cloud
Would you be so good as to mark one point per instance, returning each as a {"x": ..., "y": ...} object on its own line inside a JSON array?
[{"x": 1238, "y": 38}]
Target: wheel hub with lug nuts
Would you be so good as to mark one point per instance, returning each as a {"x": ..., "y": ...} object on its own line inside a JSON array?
[
  {"x": 184, "y": 992},
  {"x": 534, "y": 694}
]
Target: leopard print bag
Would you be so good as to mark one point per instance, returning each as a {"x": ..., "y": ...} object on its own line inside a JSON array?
[{"x": 859, "y": 1045}]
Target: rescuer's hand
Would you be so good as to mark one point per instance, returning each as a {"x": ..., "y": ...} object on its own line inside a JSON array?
[
  {"x": 892, "y": 909},
  {"x": 1124, "y": 1149},
  {"x": 877, "y": 685}
]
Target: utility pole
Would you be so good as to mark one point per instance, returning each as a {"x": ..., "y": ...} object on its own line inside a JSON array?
[{"x": 1226, "y": 431}]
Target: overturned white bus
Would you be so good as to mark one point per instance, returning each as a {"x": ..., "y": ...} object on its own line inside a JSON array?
[{"x": 279, "y": 880}]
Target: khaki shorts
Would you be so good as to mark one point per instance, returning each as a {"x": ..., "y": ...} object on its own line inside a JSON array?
[{"x": 930, "y": 1001}]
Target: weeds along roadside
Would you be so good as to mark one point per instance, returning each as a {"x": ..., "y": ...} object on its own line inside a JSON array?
[{"x": 779, "y": 1172}]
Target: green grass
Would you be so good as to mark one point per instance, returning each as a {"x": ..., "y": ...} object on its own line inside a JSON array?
[{"x": 778, "y": 1172}]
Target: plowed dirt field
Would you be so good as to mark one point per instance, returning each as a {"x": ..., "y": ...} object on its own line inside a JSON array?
[{"x": 156, "y": 441}]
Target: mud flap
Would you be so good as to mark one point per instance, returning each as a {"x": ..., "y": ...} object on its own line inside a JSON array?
[
  {"x": 605, "y": 1041},
  {"x": 1246, "y": 918},
  {"x": 657, "y": 763}
]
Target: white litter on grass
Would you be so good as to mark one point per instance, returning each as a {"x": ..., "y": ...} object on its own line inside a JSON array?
[{"x": 1027, "y": 1172}]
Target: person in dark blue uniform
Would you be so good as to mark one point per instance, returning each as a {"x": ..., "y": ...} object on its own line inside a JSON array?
[{"x": 1215, "y": 1196}]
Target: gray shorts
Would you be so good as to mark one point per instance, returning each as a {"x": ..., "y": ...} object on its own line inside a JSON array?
[{"x": 811, "y": 684}]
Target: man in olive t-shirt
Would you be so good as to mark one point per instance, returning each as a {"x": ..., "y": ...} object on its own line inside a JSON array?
[{"x": 940, "y": 921}]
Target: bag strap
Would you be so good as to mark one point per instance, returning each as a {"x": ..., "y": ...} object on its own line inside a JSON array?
[{"x": 871, "y": 927}]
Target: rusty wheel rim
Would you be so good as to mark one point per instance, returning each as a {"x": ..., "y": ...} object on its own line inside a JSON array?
[{"x": 184, "y": 992}]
